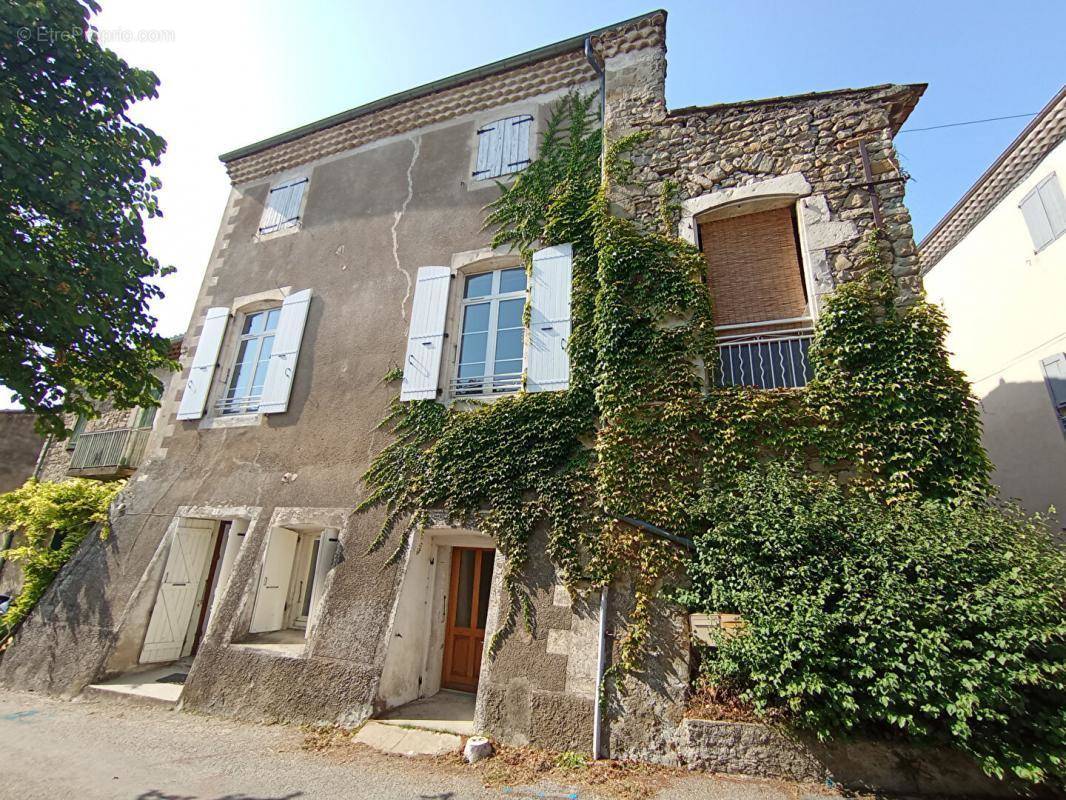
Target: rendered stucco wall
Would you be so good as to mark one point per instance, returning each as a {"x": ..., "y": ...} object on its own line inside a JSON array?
[
  {"x": 373, "y": 216},
  {"x": 1004, "y": 305}
]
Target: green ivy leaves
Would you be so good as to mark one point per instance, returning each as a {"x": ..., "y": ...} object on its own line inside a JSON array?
[{"x": 52, "y": 519}]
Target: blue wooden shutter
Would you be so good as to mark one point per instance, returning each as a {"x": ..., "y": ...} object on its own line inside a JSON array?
[
  {"x": 283, "y": 355},
  {"x": 194, "y": 398},
  {"x": 516, "y": 143},
  {"x": 489, "y": 151},
  {"x": 282, "y": 208},
  {"x": 548, "y": 364}
]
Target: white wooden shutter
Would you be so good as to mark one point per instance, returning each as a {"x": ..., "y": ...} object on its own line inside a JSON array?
[
  {"x": 425, "y": 342},
  {"x": 282, "y": 207},
  {"x": 548, "y": 365},
  {"x": 235, "y": 539},
  {"x": 515, "y": 143},
  {"x": 194, "y": 398},
  {"x": 278, "y": 383},
  {"x": 1036, "y": 220},
  {"x": 273, "y": 212},
  {"x": 1054, "y": 205},
  {"x": 1055, "y": 376},
  {"x": 489, "y": 150},
  {"x": 269, "y": 611},
  {"x": 327, "y": 551},
  {"x": 190, "y": 543}
]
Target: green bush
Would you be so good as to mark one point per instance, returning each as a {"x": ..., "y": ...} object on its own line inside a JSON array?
[
  {"x": 933, "y": 620},
  {"x": 53, "y": 519}
]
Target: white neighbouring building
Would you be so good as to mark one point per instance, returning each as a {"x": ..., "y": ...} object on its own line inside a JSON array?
[{"x": 997, "y": 264}]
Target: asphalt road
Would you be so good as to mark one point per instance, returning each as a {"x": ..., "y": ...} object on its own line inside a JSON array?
[{"x": 51, "y": 748}]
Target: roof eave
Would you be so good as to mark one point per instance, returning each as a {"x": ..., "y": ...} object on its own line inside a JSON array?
[
  {"x": 988, "y": 173},
  {"x": 496, "y": 67}
]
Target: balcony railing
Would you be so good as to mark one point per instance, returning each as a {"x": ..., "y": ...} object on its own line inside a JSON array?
[
  {"x": 768, "y": 360},
  {"x": 247, "y": 404},
  {"x": 486, "y": 385},
  {"x": 114, "y": 450}
]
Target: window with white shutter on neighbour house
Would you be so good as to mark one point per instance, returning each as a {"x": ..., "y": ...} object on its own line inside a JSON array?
[
  {"x": 1055, "y": 377},
  {"x": 503, "y": 147},
  {"x": 495, "y": 347},
  {"x": 282, "y": 209},
  {"x": 1045, "y": 212}
]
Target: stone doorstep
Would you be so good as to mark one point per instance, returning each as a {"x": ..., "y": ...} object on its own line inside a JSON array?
[
  {"x": 110, "y": 694},
  {"x": 405, "y": 741}
]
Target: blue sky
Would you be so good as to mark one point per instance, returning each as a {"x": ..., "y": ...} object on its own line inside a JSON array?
[{"x": 237, "y": 71}]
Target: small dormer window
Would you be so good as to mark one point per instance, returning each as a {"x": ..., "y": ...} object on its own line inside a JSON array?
[
  {"x": 503, "y": 147},
  {"x": 283, "y": 206}
]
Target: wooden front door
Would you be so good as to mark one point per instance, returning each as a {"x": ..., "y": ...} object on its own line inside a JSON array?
[{"x": 468, "y": 606}]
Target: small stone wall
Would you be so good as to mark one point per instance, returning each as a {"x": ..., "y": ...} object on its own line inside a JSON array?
[{"x": 742, "y": 748}]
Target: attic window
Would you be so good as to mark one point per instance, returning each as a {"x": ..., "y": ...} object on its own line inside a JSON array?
[
  {"x": 503, "y": 147},
  {"x": 283, "y": 206}
]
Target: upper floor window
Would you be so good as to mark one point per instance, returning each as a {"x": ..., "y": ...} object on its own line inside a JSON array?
[
  {"x": 265, "y": 354},
  {"x": 759, "y": 296},
  {"x": 250, "y": 367},
  {"x": 499, "y": 347},
  {"x": 144, "y": 417},
  {"x": 503, "y": 147},
  {"x": 283, "y": 205},
  {"x": 491, "y": 332},
  {"x": 1045, "y": 212},
  {"x": 76, "y": 431}
]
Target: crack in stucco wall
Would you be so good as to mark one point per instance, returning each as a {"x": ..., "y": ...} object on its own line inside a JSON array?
[{"x": 417, "y": 144}]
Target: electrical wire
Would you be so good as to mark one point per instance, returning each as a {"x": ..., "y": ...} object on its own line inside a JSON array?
[{"x": 968, "y": 122}]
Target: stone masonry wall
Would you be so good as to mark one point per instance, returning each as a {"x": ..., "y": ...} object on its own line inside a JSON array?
[
  {"x": 804, "y": 148},
  {"x": 716, "y": 149}
]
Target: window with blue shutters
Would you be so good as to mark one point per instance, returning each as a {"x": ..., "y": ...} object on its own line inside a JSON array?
[
  {"x": 283, "y": 206},
  {"x": 1044, "y": 211},
  {"x": 503, "y": 147}
]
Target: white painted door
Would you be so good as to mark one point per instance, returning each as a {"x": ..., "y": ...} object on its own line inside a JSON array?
[
  {"x": 269, "y": 612},
  {"x": 190, "y": 544}
]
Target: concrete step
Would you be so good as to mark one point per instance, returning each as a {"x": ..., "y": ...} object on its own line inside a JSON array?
[
  {"x": 113, "y": 694},
  {"x": 405, "y": 741}
]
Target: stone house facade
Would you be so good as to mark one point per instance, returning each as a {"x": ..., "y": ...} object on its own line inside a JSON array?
[{"x": 355, "y": 245}]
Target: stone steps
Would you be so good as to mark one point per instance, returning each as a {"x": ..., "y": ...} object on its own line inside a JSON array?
[{"x": 388, "y": 737}]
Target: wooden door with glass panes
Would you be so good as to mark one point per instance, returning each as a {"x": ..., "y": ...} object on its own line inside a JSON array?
[{"x": 468, "y": 605}]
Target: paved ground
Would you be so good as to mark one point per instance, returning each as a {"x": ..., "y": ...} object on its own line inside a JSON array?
[{"x": 99, "y": 749}]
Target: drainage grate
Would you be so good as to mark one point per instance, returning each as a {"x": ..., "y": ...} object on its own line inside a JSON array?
[{"x": 174, "y": 677}]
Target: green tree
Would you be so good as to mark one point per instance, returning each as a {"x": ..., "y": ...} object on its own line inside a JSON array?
[{"x": 75, "y": 277}]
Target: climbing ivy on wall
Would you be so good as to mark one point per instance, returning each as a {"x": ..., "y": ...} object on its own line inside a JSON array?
[
  {"x": 640, "y": 432},
  {"x": 51, "y": 520},
  {"x": 520, "y": 462}
]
